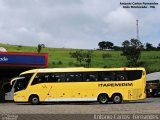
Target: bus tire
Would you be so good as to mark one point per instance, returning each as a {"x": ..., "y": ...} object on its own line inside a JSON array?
[
  {"x": 34, "y": 99},
  {"x": 103, "y": 98},
  {"x": 117, "y": 98}
]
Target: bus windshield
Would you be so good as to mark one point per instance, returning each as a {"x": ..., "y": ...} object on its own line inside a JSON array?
[{"x": 22, "y": 83}]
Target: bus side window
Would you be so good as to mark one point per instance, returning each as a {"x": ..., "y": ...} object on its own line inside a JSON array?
[
  {"x": 40, "y": 78},
  {"x": 134, "y": 74},
  {"x": 68, "y": 77},
  {"x": 108, "y": 76},
  {"x": 51, "y": 77},
  {"x": 58, "y": 77},
  {"x": 73, "y": 77},
  {"x": 90, "y": 76},
  {"x": 121, "y": 76},
  {"x": 86, "y": 77},
  {"x": 78, "y": 77},
  {"x": 55, "y": 77},
  {"x": 93, "y": 77},
  {"x": 112, "y": 76},
  {"x": 36, "y": 80},
  {"x": 46, "y": 78}
]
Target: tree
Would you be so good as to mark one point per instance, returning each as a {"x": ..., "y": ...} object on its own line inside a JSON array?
[
  {"x": 158, "y": 47},
  {"x": 142, "y": 47},
  {"x": 117, "y": 48},
  {"x": 149, "y": 47},
  {"x": 105, "y": 45},
  {"x": 83, "y": 57},
  {"x": 39, "y": 48},
  {"x": 109, "y": 45},
  {"x": 132, "y": 51},
  {"x": 126, "y": 43},
  {"x": 88, "y": 58},
  {"x": 78, "y": 55},
  {"x": 102, "y": 45}
]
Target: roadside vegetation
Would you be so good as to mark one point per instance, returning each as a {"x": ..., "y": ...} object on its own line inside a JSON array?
[{"x": 63, "y": 57}]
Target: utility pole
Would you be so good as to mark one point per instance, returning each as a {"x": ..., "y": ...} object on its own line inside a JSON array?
[{"x": 137, "y": 30}]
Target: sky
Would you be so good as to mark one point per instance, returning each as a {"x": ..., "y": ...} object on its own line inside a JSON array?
[{"x": 76, "y": 23}]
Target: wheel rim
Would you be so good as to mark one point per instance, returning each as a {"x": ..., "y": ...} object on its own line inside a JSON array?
[
  {"x": 117, "y": 99},
  {"x": 103, "y": 99},
  {"x": 34, "y": 100}
]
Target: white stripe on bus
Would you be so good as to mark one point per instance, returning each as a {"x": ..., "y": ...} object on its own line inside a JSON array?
[{"x": 70, "y": 99}]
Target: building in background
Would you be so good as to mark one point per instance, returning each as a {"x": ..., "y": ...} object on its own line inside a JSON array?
[{"x": 13, "y": 63}]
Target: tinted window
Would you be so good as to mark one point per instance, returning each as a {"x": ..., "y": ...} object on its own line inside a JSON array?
[
  {"x": 73, "y": 77},
  {"x": 41, "y": 78},
  {"x": 90, "y": 76},
  {"x": 134, "y": 74},
  {"x": 107, "y": 76},
  {"x": 121, "y": 76},
  {"x": 57, "y": 77}
]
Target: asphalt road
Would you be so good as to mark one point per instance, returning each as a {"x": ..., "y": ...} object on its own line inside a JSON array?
[
  {"x": 147, "y": 106},
  {"x": 150, "y": 105}
]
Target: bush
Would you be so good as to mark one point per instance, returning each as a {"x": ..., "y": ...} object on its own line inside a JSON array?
[
  {"x": 156, "y": 57},
  {"x": 59, "y": 62},
  {"x": 106, "y": 55},
  {"x": 19, "y": 46},
  {"x": 70, "y": 63},
  {"x": 105, "y": 66},
  {"x": 53, "y": 63}
]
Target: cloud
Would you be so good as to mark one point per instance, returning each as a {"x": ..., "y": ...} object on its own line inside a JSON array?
[
  {"x": 74, "y": 23},
  {"x": 120, "y": 25}
]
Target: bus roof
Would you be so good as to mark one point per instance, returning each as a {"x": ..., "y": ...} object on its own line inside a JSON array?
[{"x": 77, "y": 69}]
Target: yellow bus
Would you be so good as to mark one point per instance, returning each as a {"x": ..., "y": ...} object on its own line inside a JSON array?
[{"x": 81, "y": 84}]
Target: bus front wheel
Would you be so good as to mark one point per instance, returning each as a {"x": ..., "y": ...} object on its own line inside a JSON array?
[
  {"x": 103, "y": 98},
  {"x": 117, "y": 98},
  {"x": 34, "y": 100}
]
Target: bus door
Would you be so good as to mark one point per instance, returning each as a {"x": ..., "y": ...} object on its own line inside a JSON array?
[{"x": 9, "y": 90}]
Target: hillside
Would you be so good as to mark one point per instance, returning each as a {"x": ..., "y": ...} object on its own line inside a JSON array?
[{"x": 60, "y": 57}]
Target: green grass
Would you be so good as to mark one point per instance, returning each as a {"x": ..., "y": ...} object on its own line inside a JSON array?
[{"x": 59, "y": 57}]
